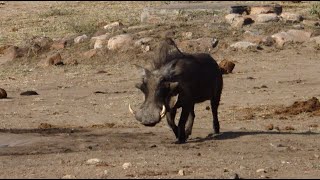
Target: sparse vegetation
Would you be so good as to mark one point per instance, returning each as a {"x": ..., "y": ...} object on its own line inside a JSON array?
[
  {"x": 315, "y": 9},
  {"x": 56, "y": 12}
]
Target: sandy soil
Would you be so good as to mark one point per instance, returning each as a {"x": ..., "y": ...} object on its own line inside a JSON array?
[{"x": 54, "y": 133}]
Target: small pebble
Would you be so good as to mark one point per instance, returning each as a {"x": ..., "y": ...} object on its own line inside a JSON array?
[
  {"x": 181, "y": 172},
  {"x": 94, "y": 161},
  {"x": 261, "y": 170},
  {"x": 126, "y": 165}
]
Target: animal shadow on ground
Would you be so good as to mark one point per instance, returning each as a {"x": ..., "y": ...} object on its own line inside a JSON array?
[{"x": 233, "y": 135}]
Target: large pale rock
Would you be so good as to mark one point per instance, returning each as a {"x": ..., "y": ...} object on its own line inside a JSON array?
[
  {"x": 264, "y": 18},
  {"x": 299, "y": 35},
  {"x": 281, "y": 38},
  {"x": 292, "y": 35},
  {"x": 113, "y": 26},
  {"x": 244, "y": 45},
  {"x": 291, "y": 17},
  {"x": 236, "y": 20},
  {"x": 122, "y": 41},
  {"x": 266, "y": 9},
  {"x": 99, "y": 41},
  {"x": 80, "y": 39}
]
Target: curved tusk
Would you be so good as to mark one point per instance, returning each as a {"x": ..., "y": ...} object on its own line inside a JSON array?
[
  {"x": 132, "y": 111},
  {"x": 163, "y": 111}
]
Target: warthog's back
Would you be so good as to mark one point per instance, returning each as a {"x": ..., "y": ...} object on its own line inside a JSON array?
[{"x": 197, "y": 74}]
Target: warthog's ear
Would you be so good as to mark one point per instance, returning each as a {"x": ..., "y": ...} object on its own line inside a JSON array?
[{"x": 143, "y": 72}]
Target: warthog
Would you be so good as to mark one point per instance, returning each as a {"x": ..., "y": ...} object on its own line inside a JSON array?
[{"x": 194, "y": 78}]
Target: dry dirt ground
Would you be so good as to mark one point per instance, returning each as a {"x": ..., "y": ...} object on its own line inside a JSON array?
[{"x": 54, "y": 133}]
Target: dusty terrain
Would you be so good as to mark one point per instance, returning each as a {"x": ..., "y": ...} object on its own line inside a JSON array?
[{"x": 81, "y": 114}]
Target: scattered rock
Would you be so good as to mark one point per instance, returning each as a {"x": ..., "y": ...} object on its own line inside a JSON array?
[
  {"x": 113, "y": 26},
  {"x": 299, "y": 35},
  {"x": 99, "y": 44},
  {"x": 244, "y": 45},
  {"x": 181, "y": 172},
  {"x": 261, "y": 170},
  {"x": 126, "y": 165},
  {"x": 80, "y": 39},
  {"x": 153, "y": 146},
  {"x": 234, "y": 176},
  {"x": 3, "y": 93},
  {"x": 54, "y": 59},
  {"x": 291, "y": 35},
  {"x": 269, "y": 127},
  {"x": 29, "y": 93},
  {"x": 226, "y": 66},
  {"x": 120, "y": 42},
  {"x": 237, "y": 21},
  {"x": 94, "y": 161},
  {"x": 291, "y": 17},
  {"x": 277, "y": 9},
  {"x": 267, "y": 41},
  {"x": 68, "y": 176},
  {"x": 91, "y": 53},
  {"x": 102, "y": 40},
  {"x": 264, "y": 18}
]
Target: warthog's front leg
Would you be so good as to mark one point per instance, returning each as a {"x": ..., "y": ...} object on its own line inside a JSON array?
[
  {"x": 171, "y": 115},
  {"x": 182, "y": 123},
  {"x": 190, "y": 123}
]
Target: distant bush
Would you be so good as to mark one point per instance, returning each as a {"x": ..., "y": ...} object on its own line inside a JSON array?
[{"x": 315, "y": 9}]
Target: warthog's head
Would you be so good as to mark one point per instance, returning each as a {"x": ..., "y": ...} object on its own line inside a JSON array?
[{"x": 156, "y": 86}]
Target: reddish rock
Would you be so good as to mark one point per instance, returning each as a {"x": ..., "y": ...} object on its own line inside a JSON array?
[
  {"x": 226, "y": 66},
  {"x": 54, "y": 59}
]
